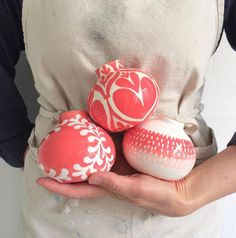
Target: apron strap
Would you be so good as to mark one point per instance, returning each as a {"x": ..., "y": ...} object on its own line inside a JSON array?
[{"x": 49, "y": 114}]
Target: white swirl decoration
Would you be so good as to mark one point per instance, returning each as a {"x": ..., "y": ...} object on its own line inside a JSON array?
[{"x": 99, "y": 155}]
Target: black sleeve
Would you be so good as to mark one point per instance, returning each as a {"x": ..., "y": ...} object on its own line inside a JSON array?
[
  {"x": 230, "y": 31},
  {"x": 230, "y": 22},
  {"x": 15, "y": 126},
  {"x": 233, "y": 140}
]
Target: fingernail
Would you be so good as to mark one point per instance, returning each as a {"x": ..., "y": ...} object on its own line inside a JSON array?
[
  {"x": 133, "y": 175},
  {"x": 39, "y": 181},
  {"x": 95, "y": 181}
]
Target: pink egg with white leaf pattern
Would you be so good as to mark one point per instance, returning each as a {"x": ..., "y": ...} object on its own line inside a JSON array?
[
  {"x": 161, "y": 148},
  {"x": 75, "y": 149},
  {"x": 122, "y": 97}
]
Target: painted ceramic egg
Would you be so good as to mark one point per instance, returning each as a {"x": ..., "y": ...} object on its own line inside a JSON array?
[
  {"x": 161, "y": 148},
  {"x": 75, "y": 149},
  {"x": 122, "y": 97}
]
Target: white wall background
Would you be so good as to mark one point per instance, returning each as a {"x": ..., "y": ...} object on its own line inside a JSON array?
[{"x": 220, "y": 113}]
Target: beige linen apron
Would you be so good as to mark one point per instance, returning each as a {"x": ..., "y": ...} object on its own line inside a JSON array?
[{"x": 66, "y": 41}]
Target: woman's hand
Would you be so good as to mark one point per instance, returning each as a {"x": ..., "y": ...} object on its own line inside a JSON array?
[
  {"x": 213, "y": 179},
  {"x": 125, "y": 183},
  {"x": 167, "y": 198}
]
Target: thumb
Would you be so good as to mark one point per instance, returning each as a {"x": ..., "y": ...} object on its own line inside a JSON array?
[{"x": 110, "y": 181}]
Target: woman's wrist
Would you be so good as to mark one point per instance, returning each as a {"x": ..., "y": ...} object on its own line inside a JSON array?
[{"x": 213, "y": 179}]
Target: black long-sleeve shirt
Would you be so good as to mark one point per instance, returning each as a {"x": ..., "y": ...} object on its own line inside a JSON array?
[
  {"x": 230, "y": 30},
  {"x": 15, "y": 126}
]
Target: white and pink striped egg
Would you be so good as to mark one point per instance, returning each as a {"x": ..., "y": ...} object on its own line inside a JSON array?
[{"x": 161, "y": 148}]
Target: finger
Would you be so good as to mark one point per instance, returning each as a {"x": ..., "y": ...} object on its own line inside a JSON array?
[
  {"x": 76, "y": 190},
  {"x": 125, "y": 186}
]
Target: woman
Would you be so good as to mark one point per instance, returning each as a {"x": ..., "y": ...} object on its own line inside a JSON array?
[{"x": 65, "y": 42}]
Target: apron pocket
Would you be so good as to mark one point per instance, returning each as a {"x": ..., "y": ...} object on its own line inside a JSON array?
[
  {"x": 33, "y": 149},
  {"x": 205, "y": 152}
]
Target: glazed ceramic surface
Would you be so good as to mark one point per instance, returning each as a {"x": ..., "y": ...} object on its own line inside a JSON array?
[
  {"x": 161, "y": 148},
  {"x": 75, "y": 149},
  {"x": 122, "y": 97}
]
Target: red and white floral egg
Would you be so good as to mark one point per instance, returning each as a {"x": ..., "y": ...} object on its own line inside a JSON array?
[
  {"x": 161, "y": 148},
  {"x": 122, "y": 97},
  {"x": 75, "y": 149}
]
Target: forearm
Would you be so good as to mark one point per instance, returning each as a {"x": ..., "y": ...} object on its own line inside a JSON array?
[{"x": 213, "y": 179}]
